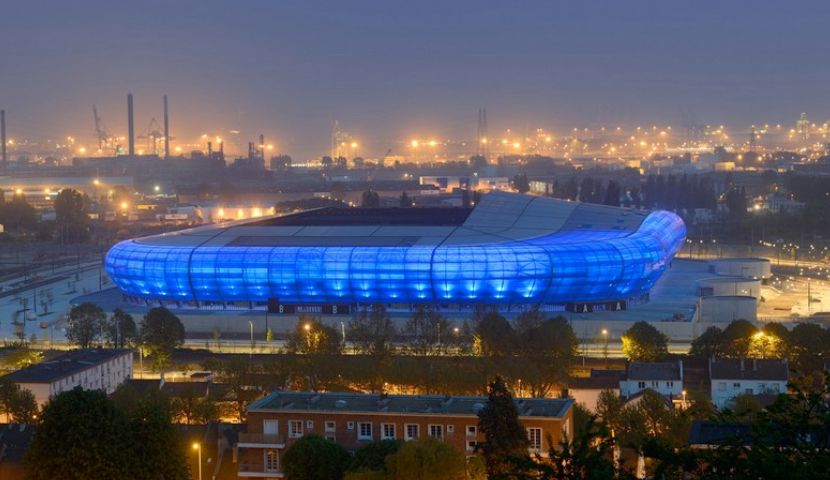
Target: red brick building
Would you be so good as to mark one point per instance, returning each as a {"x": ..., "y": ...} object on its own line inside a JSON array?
[{"x": 354, "y": 419}]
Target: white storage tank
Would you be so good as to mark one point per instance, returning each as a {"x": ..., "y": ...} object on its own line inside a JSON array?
[
  {"x": 726, "y": 309},
  {"x": 756, "y": 268},
  {"x": 729, "y": 286}
]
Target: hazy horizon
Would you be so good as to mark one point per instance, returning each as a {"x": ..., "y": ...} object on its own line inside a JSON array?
[{"x": 390, "y": 71}]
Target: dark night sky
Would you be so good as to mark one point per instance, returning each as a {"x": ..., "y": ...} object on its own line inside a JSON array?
[{"x": 390, "y": 70}]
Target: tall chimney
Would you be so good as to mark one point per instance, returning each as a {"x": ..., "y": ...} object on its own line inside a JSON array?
[
  {"x": 3, "y": 136},
  {"x": 262, "y": 145},
  {"x": 166, "y": 131},
  {"x": 130, "y": 126}
]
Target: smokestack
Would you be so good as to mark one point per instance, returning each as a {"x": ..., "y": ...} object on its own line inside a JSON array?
[
  {"x": 130, "y": 126},
  {"x": 262, "y": 145},
  {"x": 210, "y": 149},
  {"x": 3, "y": 136},
  {"x": 166, "y": 131}
]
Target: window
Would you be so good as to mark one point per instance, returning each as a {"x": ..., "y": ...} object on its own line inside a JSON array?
[
  {"x": 641, "y": 385},
  {"x": 776, "y": 387},
  {"x": 350, "y": 426},
  {"x": 534, "y": 438},
  {"x": 309, "y": 425},
  {"x": 736, "y": 385},
  {"x": 270, "y": 427},
  {"x": 721, "y": 386},
  {"x": 450, "y": 428},
  {"x": 411, "y": 431},
  {"x": 471, "y": 445},
  {"x": 436, "y": 431},
  {"x": 295, "y": 428},
  {"x": 331, "y": 438},
  {"x": 387, "y": 431},
  {"x": 330, "y": 426},
  {"x": 472, "y": 430},
  {"x": 669, "y": 384},
  {"x": 272, "y": 461},
  {"x": 364, "y": 431},
  {"x": 762, "y": 387}
]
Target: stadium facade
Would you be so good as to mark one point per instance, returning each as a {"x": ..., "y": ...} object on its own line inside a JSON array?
[{"x": 510, "y": 249}]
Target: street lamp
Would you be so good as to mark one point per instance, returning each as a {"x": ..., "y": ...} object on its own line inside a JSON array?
[
  {"x": 684, "y": 399},
  {"x": 251, "y": 324},
  {"x": 198, "y": 448}
]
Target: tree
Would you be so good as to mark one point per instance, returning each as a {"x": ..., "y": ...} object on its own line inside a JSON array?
[
  {"x": 504, "y": 437},
  {"x": 155, "y": 443},
  {"x": 84, "y": 324},
  {"x": 81, "y": 435},
  {"x": 809, "y": 346},
  {"x": 737, "y": 339},
  {"x": 709, "y": 344},
  {"x": 609, "y": 409},
  {"x": 121, "y": 330},
  {"x": 612, "y": 194},
  {"x": 372, "y": 456},
  {"x": 18, "y": 404},
  {"x": 18, "y": 215},
  {"x": 520, "y": 183},
  {"x": 71, "y": 216},
  {"x": 161, "y": 332},
  {"x": 406, "y": 201},
  {"x": 428, "y": 329},
  {"x": 373, "y": 331},
  {"x": 425, "y": 458},
  {"x": 314, "y": 458},
  {"x": 370, "y": 199},
  {"x": 546, "y": 350},
  {"x": 644, "y": 343},
  {"x": 494, "y": 336},
  {"x": 311, "y": 336}
]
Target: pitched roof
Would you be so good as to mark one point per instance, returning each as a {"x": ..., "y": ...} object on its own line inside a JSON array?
[
  {"x": 65, "y": 365},
  {"x": 705, "y": 432},
  {"x": 599, "y": 380},
  {"x": 403, "y": 404},
  {"x": 749, "y": 369},
  {"x": 655, "y": 371}
]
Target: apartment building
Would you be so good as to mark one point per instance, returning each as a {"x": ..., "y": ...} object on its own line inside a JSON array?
[
  {"x": 354, "y": 419},
  {"x": 763, "y": 377},
  {"x": 91, "y": 369}
]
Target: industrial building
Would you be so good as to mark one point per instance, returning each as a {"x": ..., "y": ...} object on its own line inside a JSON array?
[{"x": 510, "y": 249}]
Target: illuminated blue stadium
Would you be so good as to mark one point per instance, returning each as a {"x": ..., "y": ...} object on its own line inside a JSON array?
[{"x": 509, "y": 249}]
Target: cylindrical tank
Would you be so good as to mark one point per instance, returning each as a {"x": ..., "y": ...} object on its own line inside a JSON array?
[
  {"x": 759, "y": 268},
  {"x": 729, "y": 286},
  {"x": 728, "y": 308}
]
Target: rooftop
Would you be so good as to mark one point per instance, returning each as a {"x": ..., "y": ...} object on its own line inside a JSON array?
[
  {"x": 402, "y": 404},
  {"x": 337, "y": 216},
  {"x": 655, "y": 371},
  {"x": 64, "y": 365},
  {"x": 749, "y": 369},
  {"x": 599, "y": 380}
]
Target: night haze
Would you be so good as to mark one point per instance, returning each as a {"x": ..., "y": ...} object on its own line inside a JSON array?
[{"x": 389, "y": 71}]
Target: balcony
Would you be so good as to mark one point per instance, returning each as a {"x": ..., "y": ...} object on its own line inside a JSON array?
[
  {"x": 260, "y": 440},
  {"x": 247, "y": 470}
]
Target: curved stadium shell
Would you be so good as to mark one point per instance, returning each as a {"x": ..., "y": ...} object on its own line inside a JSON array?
[{"x": 509, "y": 249}]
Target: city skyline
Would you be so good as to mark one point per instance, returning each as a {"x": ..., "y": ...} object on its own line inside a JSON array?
[{"x": 389, "y": 73}]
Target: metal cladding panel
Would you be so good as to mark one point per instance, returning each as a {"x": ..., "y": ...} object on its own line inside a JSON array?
[{"x": 589, "y": 265}]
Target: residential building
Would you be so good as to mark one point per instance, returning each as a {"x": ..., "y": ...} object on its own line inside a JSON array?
[
  {"x": 355, "y": 419},
  {"x": 585, "y": 390},
  {"x": 731, "y": 377},
  {"x": 91, "y": 369},
  {"x": 665, "y": 378}
]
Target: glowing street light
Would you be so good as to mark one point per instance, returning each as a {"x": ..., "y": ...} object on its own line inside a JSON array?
[{"x": 198, "y": 448}]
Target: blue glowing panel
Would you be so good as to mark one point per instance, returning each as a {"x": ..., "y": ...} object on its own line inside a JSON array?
[{"x": 570, "y": 266}]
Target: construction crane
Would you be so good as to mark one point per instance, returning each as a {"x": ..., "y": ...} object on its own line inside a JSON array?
[
  {"x": 154, "y": 135},
  {"x": 105, "y": 140}
]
